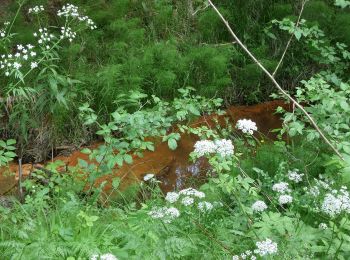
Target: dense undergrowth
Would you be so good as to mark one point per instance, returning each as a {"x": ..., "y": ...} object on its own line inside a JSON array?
[
  {"x": 137, "y": 73},
  {"x": 154, "y": 47}
]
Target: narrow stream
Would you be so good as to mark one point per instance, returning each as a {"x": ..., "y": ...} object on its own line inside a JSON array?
[{"x": 172, "y": 168}]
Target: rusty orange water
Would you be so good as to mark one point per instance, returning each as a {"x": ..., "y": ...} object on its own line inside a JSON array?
[{"x": 173, "y": 168}]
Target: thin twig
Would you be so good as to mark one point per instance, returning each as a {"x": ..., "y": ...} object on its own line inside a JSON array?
[
  {"x": 275, "y": 82},
  {"x": 20, "y": 174},
  {"x": 290, "y": 39}
]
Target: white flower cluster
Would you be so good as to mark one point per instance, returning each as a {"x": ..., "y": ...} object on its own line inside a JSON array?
[
  {"x": 16, "y": 61},
  {"x": 224, "y": 147},
  {"x": 148, "y": 177},
  {"x": 192, "y": 192},
  {"x": 259, "y": 206},
  {"x": 3, "y": 31},
  {"x": 187, "y": 201},
  {"x": 70, "y": 10},
  {"x": 205, "y": 206},
  {"x": 322, "y": 226},
  {"x": 337, "y": 202},
  {"x": 246, "y": 255},
  {"x": 44, "y": 37},
  {"x": 36, "y": 9},
  {"x": 281, "y": 187},
  {"x": 66, "y": 32},
  {"x": 188, "y": 196},
  {"x": 247, "y": 126},
  {"x": 165, "y": 214},
  {"x": 107, "y": 256},
  {"x": 285, "y": 199},
  {"x": 205, "y": 147},
  {"x": 172, "y": 197},
  {"x": 266, "y": 247},
  {"x": 295, "y": 176}
]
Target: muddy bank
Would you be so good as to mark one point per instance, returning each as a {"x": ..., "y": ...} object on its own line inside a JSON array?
[{"x": 172, "y": 168}]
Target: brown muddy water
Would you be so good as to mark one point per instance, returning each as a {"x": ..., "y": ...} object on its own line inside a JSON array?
[{"x": 172, "y": 168}]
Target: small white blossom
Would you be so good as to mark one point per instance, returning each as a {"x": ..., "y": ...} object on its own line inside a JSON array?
[
  {"x": 336, "y": 204},
  {"x": 295, "y": 176},
  {"x": 205, "y": 206},
  {"x": 2, "y": 33},
  {"x": 266, "y": 247},
  {"x": 224, "y": 147},
  {"x": 164, "y": 213},
  {"x": 204, "y": 147},
  {"x": 148, "y": 177},
  {"x": 187, "y": 201},
  {"x": 36, "y": 9},
  {"x": 192, "y": 192},
  {"x": 322, "y": 226},
  {"x": 259, "y": 206},
  {"x": 285, "y": 199},
  {"x": 281, "y": 187},
  {"x": 172, "y": 197},
  {"x": 247, "y": 126},
  {"x": 107, "y": 256},
  {"x": 17, "y": 65}
]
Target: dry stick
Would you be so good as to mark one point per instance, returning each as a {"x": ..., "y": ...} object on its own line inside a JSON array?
[
  {"x": 20, "y": 178},
  {"x": 290, "y": 39},
  {"x": 275, "y": 82}
]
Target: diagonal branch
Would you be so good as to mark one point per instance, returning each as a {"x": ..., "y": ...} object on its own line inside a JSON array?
[{"x": 277, "y": 85}]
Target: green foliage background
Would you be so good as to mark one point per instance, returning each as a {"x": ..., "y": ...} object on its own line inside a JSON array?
[{"x": 157, "y": 47}]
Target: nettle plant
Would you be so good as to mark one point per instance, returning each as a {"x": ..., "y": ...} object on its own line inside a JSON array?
[
  {"x": 7, "y": 153},
  {"x": 35, "y": 88},
  {"x": 137, "y": 124}
]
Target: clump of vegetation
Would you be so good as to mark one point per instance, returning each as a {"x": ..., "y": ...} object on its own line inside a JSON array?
[{"x": 156, "y": 67}]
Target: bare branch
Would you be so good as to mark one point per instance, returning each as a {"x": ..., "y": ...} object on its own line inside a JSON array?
[
  {"x": 290, "y": 39},
  {"x": 275, "y": 82}
]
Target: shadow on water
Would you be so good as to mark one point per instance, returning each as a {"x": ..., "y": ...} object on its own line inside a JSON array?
[{"x": 172, "y": 168}]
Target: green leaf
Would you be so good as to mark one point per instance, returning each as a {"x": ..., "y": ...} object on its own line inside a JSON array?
[
  {"x": 128, "y": 158},
  {"x": 172, "y": 144}
]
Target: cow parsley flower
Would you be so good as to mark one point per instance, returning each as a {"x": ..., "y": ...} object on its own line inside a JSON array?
[
  {"x": 107, "y": 256},
  {"x": 36, "y": 9},
  {"x": 2, "y": 33},
  {"x": 33, "y": 65},
  {"x": 68, "y": 10},
  {"x": 322, "y": 226},
  {"x": 281, "y": 187},
  {"x": 187, "y": 201},
  {"x": 259, "y": 206},
  {"x": 172, "y": 197},
  {"x": 334, "y": 204},
  {"x": 224, "y": 147},
  {"x": 247, "y": 126},
  {"x": 295, "y": 176},
  {"x": 192, "y": 192},
  {"x": 17, "y": 65},
  {"x": 67, "y": 33},
  {"x": 266, "y": 247},
  {"x": 148, "y": 177},
  {"x": 205, "y": 206},
  {"x": 285, "y": 199},
  {"x": 165, "y": 214},
  {"x": 204, "y": 147}
]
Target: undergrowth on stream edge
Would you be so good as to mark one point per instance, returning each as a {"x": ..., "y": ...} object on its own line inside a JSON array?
[{"x": 281, "y": 200}]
